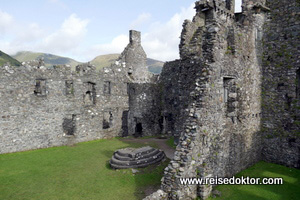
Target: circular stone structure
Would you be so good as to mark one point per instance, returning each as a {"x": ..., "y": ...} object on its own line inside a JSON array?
[{"x": 136, "y": 158}]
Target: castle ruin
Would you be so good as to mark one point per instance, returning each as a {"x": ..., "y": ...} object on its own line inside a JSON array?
[{"x": 231, "y": 100}]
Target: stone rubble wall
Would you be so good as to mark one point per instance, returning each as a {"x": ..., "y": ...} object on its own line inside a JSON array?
[
  {"x": 221, "y": 79},
  {"x": 30, "y": 121},
  {"x": 281, "y": 103},
  {"x": 144, "y": 109},
  {"x": 43, "y": 107}
]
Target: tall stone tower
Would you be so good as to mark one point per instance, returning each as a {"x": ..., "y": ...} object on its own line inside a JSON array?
[{"x": 134, "y": 58}]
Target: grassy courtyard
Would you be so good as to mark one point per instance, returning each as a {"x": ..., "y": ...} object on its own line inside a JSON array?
[
  {"x": 82, "y": 172},
  {"x": 73, "y": 172},
  {"x": 290, "y": 190}
]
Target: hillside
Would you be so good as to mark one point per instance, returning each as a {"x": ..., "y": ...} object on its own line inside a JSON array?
[
  {"x": 101, "y": 61},
  {"x": 49, "y": 59},
  {"x": 4, "y": 58},
  {"x": 154, "y": 66},
  {"x": 104, "y": 60}
]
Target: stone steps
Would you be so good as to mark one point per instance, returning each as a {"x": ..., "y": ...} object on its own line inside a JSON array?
[
  {"x": 128, "y": 158},
  {"x": 136, "y": 158}
]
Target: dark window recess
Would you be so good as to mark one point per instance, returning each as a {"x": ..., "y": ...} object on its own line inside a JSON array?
[
  {"x": 228, "y": 4},
  {"x": 69, "y": 87},
  {"x": 107, "y": 120},
  {"x": 161, "y": 123},
  {"x": 90, "y": 94},
  {"x": 132, "y": 90},
  {"x": 138, "y": 130},
  {"x": 298, "y": 85},
  {"x": 107, "y": 88},
  {"x": 170, "y": 117},
  {"x": 230, "y": 42},
  {"x": 230, "y": 95},
  {"x": 69, "y": 125},
  {"x": 280, "y": 87},
  {"x": 40, "y": 87},
  {"x": 125, "y": 123},
  {"x": 128, "y": 88},
  {"x": 288, "y": 102},
  {"x": 130, "y": 71}
]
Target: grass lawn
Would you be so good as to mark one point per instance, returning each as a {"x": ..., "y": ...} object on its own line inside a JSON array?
[
  {"x": 170, "y": 142},
  {"x": 290, "y": 190},
  {"x": 73, "y": 172}
]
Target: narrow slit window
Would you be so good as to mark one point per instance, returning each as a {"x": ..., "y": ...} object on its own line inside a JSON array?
[
  {"x": 40, "y": 87},
  {"x": 229, "y": 92},
  {"x": 107, "y": 120},
  {"x": 90, "y": 93},
  {"x": 69, "y": 87},
  {"x": 128, "y": 88},
  {"x": 107, "y": 88},
  {"x": 69, "y": 125}
]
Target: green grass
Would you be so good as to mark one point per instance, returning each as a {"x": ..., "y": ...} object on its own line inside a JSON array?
[
  {"x": 170, "y": 142},
  {"x": 73, "y": 172},
  {"x": 290, "y": 190}
]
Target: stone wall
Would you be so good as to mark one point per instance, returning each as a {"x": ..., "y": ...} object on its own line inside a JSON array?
[
  {"x": 144, "y": 109},
  {"x": 241, "y": 78},
  {"x": 216, "y": 102},
  {"x": 51, "y": 107},
  {"x": 43, "y": 107},
  {"x": 281, "y": 99}
]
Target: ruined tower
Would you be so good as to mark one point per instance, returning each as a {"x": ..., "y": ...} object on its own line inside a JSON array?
[
  {"x": 234, "y": 93},
  {"x": 143, "y": 114},
  {"x": 134, "y": 59}
]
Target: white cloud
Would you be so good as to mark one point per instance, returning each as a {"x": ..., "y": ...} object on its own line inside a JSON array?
[
  {"x": 117, "y": 45},
  {"x": 142, "y": 18},
  {"x": 30, "y": 33},
  {"x": 6, "y": 21},
  {"x": 65, "y": 40},
  {"x": 68, "y": 37},
  {"x": 238, "y": 6},
  {"x": 162, "y": 42}
]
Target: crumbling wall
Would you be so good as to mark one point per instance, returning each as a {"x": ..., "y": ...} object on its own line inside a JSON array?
[
  {"x": 176, "y": 82},
  {"x": 221, "y": 83},
  {"x": 281, "y": 100},
  {"x": 51, "y": 107},
  {"x": 144, "y": 109},
  {"x": 143, "y": 116},
  {"x": 43, "y": 107}
]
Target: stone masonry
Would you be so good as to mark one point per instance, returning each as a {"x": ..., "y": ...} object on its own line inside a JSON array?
[
  {"x": 43, "y": 107},
  {"x": 231, "y": 100}
]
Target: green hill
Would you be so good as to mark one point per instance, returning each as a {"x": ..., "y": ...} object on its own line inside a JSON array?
[
  {"x": 104, "y": 60},
  {"x": 101, "y": 61},
  {"x": 49, "y": 59},
  {"x": 4, "y": 58}
]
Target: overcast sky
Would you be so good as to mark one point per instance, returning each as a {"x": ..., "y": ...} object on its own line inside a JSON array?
[{"x": 84, "y": 29}]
